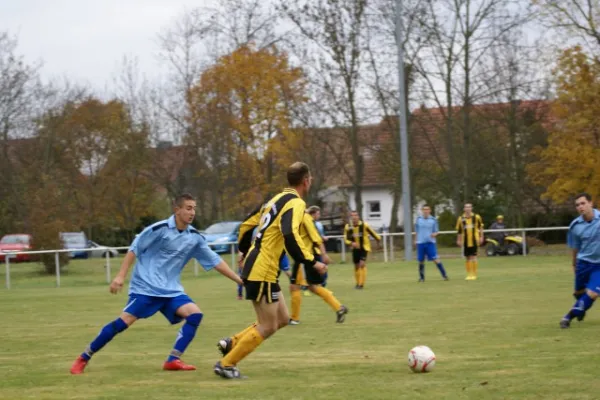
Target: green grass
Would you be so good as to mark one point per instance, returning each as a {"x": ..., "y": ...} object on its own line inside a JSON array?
[{"x": 495, "y": 338}]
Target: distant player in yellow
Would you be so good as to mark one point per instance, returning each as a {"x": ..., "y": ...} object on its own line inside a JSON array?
[
  {"x": 469, "y": 228},
  {"x": 306, "y": 276},
  {"x": 278, "y": 231},
  {"x": 356, "y": 234}
]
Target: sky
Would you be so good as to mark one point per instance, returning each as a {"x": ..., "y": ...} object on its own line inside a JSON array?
[{"x": 86, "y": 40}]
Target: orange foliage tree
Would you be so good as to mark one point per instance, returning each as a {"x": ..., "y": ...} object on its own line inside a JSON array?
[
  {"x": 571, "y": 162},
  {"x": 241, "y": 114}
]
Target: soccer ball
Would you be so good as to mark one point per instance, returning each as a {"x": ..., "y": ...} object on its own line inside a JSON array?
[{"x": 421, "y": 359}]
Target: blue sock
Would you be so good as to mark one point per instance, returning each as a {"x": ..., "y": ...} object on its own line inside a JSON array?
[
  {"x": 580, "y": 307},
  {"x": 240, "y": 289},
  {"x": 324, "y": 284},
  {"x": 106, "y": 335},
  {"x": 440, "y": 266},
  {"x": 185, "y": 336},
  {"x": 422, "y": 271}
]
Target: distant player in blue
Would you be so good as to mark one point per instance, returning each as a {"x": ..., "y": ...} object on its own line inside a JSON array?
[
  {"x": 426, "y": 230},
  {"x": 584, "y": 238},
  {"x": 162, "y": 251}
]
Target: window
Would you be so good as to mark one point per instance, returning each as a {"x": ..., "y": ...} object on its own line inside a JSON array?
[{"x": 373, "y": 209}]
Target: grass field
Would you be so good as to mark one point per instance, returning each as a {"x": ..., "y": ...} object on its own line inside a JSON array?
[{"x": 495, "y": 338}]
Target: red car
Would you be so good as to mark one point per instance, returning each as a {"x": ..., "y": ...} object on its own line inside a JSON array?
[{"x": 16, "y": 242}]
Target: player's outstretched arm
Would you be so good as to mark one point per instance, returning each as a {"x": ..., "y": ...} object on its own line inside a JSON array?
[
  {"x": 117, "y": 284},
  {"x": 224, "y": 270}
]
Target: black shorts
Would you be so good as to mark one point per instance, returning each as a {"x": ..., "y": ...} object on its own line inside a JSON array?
[
  {"x": 470, "y": 251},
  {"x": 359, "y": 255},
  {"x": 255, "y": 290},
  {"x": 305, "y": 275}
]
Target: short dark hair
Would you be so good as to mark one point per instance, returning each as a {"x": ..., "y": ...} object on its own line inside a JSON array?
[
  {"x": 587, "y": 196},
  {"x": 178, "y": 202},
  {"x": 426, "y": 205},
  {"x": 297, "y": 172},
  {"x": 312, "y": 210}
]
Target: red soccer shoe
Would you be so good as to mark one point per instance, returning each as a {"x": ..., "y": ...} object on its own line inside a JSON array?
[
  {"x": 78, "y": 366},
  {"x": 178, "y": 365}
]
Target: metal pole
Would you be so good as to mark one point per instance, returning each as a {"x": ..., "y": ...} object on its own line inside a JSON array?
[
  {"x": 392, "y": 257},
  {"x": 232, "y": 255},
  {"x": 403, "y": 134},
  {"x": 524, "y": 243},
  {"x": 343, "y": 250},
  {"x": 7, "y": 271},
  {"x": 385, "y": 254},
  {"x": 57, "y": 265},
  {"x": 108, "y": 280}
]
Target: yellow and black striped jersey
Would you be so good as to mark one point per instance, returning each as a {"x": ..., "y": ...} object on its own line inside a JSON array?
[
  {"x": 470, "y": 228},
  {"x": 359, "y": 234},
  {"x": 310, "y": 235},
  {"x": 245, "y": 234},
  {"x": 278, "y": 231}
]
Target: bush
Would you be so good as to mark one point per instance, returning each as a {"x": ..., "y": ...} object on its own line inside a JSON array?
[{"x": 48, "y": 239}]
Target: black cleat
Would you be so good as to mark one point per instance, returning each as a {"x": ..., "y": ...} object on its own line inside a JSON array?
[
  {"x": 227, "y": 372},
  {"x": 224, "y": 346},
  {"x": 341, "y": 314},
  {"x": 565, "y": 323},
  {"x": 446, "y": 278}
]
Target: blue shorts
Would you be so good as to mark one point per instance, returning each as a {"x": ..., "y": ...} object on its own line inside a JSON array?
[
  {"x": 142, "y": 306},
  {"x": 426, "y": 249},
  {"x": 587, "y": 276}
]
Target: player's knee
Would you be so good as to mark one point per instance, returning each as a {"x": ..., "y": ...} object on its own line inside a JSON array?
[
  {"x": 128, "y": 318},
  {"x": 118, "y": 325},
  {"x": 578, "y": 293},
  {"x": 593, "y": 295},
  {"x": 294, "y": 287},
  {"x": 194, "y": 319}
]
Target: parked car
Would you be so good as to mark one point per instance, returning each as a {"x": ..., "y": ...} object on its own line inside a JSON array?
[
  {"x": 75, "y": 240},
  {"x": 101, "y": 251},
  {"x": 13, "y": 243},
  {"x": 222, "y": 232}
]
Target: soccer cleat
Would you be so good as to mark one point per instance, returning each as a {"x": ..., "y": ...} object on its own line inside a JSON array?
[
  {"x": 446, "y": 278},
  {"x": 240, "y": 298},
  {"x": 421, "y": 280},
  {"x": 307, "y": 293},
  {"x": 224, "y": 346},
  {"x": 294, "y": 322},
  {"x": 357, "y": 287},
  {"x": 227, "y": 372},
  {"x": 177, "y": 365},
  {"x": 565, "y": 323},
  {"x": 78, "y": 366},
  {"x": 341, "y": 314}
]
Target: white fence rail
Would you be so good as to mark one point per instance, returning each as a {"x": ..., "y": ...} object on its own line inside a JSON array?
[{"x": 387, "y": 244}]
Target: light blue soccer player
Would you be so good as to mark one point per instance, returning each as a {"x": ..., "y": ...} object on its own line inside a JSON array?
[
  {"x": 162, "y": 251},
  {"x": 426, "y": 230},
  {"x": 584, "y": 239}
]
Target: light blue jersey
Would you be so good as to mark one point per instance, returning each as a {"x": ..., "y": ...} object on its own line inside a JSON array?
[
  {"x": 584, "y": 237},
  {"x": 162, "y": 252},
  {"x": 424, "y": 227},
  {"x": 320, "y": 228}
]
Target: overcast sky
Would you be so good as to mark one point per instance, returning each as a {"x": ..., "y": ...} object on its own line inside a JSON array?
[{"x": 86, "y": 40}]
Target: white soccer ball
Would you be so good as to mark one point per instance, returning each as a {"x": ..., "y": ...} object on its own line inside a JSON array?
[{"x": 421, "y": 359}]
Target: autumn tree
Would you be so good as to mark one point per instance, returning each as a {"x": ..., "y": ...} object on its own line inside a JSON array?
[
  {"x": 241, "y": 114},
  {"x": 571, "y": 162}
]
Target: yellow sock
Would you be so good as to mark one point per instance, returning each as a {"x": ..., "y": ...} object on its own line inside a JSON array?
[
  {"x": 248, "y": 343},
  {"x": 328, "y": 297},
  {"x": 474, "y": 265},
  {"x": 357, "y": 275},
  {"x": 468, "y": 268},
  {"x": 238, "y": 336},
  {"x": 364, "y": 275},
  {"x": 296, "y": 304}
]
